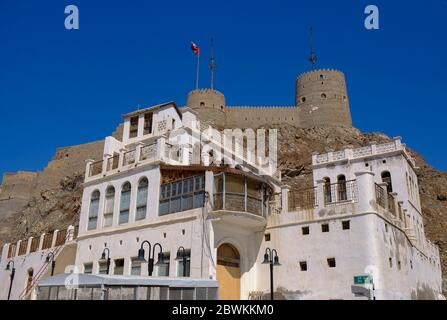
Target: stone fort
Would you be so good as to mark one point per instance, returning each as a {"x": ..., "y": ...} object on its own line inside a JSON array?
[{"x": 321, "y": 100}]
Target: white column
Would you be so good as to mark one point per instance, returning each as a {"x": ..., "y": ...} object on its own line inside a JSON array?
[
  {"x": 121, "y": 158},
  {"x": 140, "y": 125},
  {"x": 209, "y": 186},
  {"x": 126, "y": 130},
  {"x": 70, "y": 232},
  {"x": 285, "y": 198},
  {"x": 161, "y": 147},
  {"x": 88, "y": 163},
  {"x": 53, "y": 241},
  {"x": 366, "y": 191},
  {"x": 28, "y": 247},
  {"x": 138, "y": 148},
  {"x": 320, "y": 194},
  {"x": 104, "y": 163},
  {"x": 42, "y": 236}
]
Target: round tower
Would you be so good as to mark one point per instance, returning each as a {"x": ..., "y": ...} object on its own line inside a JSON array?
[
  {"x": 322, "y": 99},
  {"x": 209, "y": 105}
]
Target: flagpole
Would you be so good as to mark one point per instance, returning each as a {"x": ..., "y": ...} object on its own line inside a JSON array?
[{"x": 197, "y": 75}]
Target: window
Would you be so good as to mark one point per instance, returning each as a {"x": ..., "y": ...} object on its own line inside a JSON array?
[
  {"x": 102, "y": 267},
  {"x": 341, "y": 188},
  {"x": 331, "y": 262},
  {"x": 323, "y": 96},
  {"x": 88, "y": 268},
  {"x": 303, "y": 266},
  {"x": 147, "y": 123},
  {"x": 180, "y": 264},
  {"x": 327, "y": 190},
  {"x": 133, "y": 130},
  {"x": 93, "y": 210},
  {"x": 142, "y": 199},
  {"x": 135, "y": 268},
  {"x": 325, "y": 227},
  {"x": 163, "y": 269},
  {"x": 390, "y": 260},
  {"x": 305, "y": 230},
  {"x": 125, "y": 203},
  {"x": 267, "y": 237},
  {"x": 399, "y": 266},
  {"x": 386, "y": 177},
  {"x": 119, "y": 267},
  {"x": 321, "y": 77},
  {"x": 108, "y": 206},
  {"x": 386, "y": 227},
  {"x": 303, "y": 99},
  {"x": 346, "y": 225},
  {"x": 182, "y": 195}
]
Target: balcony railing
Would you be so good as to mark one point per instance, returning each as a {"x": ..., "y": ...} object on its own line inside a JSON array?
[
  {"x": 148, "y": 152},
  {"x": 340, "y": 192},
  {"x": 112, "y": 163},
  {"x": 380, "y": 196},
  {"x": 129, "y": 157},
  {"x": 303, "y": 199},
  {"x": 238, "y": 202},
  {"x": 392, "y": 204},
  {"x": 95, "y": 168}
]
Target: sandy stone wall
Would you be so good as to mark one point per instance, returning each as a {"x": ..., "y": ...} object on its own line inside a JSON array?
[{"x": 17, "y": 189}]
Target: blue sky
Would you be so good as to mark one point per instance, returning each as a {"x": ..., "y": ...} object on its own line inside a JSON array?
[{"x": 60, "y": 87}]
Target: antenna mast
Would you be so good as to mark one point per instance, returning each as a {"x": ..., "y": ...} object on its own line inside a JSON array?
[
  {"x": 313, "y": 57},
  {"x": 212, "y": 64}
]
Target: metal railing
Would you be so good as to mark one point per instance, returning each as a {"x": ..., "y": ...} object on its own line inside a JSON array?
[
  {"x": 340, "y": 192},
  {"x": 303, "y": 199},
  {"x": 22, "y": 247},
  {"x": 380, "y": 195},
  {"x": 238, "y": 202},
  {"x": 95, "y": 168}
]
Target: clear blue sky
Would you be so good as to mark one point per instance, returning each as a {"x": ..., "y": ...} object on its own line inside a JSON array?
[{"x": 60, "y": 88}]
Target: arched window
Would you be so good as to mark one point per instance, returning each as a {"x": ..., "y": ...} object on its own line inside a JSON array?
[
  {"x": 142, "y": 199},
  {"x": 109, "y": 204},
  {"x": 341, "y": 188},
  {"x": 125, "y": 203},
  {"x": 323, "y": 95},
  {"x": 386, "y": 177},
  {"x": 327, "y": 190},
  {"x": 93, "y": 210}
]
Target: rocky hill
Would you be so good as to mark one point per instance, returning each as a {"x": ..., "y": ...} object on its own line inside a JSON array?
[{"x": 58, "y": 206}]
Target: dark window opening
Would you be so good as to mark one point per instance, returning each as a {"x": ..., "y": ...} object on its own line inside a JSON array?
[
  {"x": 303, "y": 266},
  {"x": 147, "y": 123},
  {"x": 133, "y": 130},
  {"x": 331, "y": 262},
  {"x": 386, "y": 178},
  {"x": 267, "y": 237},
  {"x": 305, "y": 230},
  {"x": 346, "y": 225},
  {"x": 325, "y": 227}
]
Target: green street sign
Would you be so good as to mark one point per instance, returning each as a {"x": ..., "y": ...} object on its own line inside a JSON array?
[{"x": 362, "y": 279}]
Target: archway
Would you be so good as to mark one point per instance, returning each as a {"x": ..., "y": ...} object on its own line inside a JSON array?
[{"x": 228, "y": 272}]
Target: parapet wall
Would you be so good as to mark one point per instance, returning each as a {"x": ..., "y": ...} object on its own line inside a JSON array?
[{"x": 253, "y": 117}]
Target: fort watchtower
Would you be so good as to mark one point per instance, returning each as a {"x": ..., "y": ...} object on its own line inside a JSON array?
[
  {"x": 322, "y": 99},
  {"x": 210, "y": 104}
]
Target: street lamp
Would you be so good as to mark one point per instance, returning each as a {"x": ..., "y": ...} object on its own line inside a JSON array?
[
  {"x": 13, "y": 272},
  {"x": 150, "y": 265},
  {"x": 271, "y": 257},
  {"x": 183, "y": 258},
  {"x": 50, "y": 257},
  {"x": 106, "y": 258}
]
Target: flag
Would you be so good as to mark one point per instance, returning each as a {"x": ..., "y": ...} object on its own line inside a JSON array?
[{"x": 195, "y": 49}]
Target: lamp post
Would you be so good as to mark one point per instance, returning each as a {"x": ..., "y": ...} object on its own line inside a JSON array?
[
  {"x": 271, "y": 257},
  {"x": 13, "y": 272},
  {"x": 50, "y": 257},
  {"x": 183, "y": 257},
  {"x": 106, "y": 258},
  {"x": 150, "y": 262}
]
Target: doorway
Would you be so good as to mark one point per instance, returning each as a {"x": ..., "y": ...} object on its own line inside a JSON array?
[{"x": 228, "y": 272}]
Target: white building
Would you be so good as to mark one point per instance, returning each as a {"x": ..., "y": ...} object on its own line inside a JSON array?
[{"x": 362, "y": 218}]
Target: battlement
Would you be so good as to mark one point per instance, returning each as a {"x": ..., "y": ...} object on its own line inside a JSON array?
[{"x": 319, "y": 71}]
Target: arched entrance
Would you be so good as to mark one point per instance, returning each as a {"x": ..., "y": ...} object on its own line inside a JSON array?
[{"x": 228, "y": 272}]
